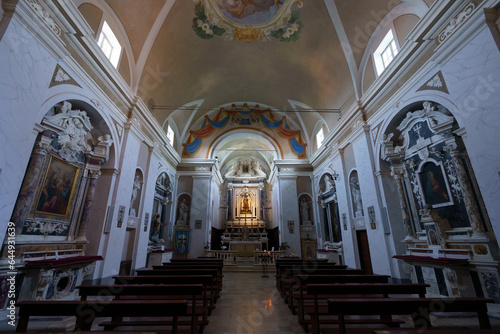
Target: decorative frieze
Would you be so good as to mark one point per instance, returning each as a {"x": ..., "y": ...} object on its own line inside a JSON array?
[
  {"x": 45, "y": 16},
  {"x": 458, "y": 20}
]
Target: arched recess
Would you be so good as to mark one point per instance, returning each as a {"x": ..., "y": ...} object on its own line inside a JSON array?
[
  {"x": 245, "y": 116},
  {"x": 329, "y": 210},
  {"x": 269, "y": 145},
  {"x": 417, "y": 8},
  {"x": 60, "y": 193},
  {"x": 432, "y": 194},
  {"x": 101, "y": 121},
  {"x": 162, "y": 206},
  {"x": 115, "y": 24}
]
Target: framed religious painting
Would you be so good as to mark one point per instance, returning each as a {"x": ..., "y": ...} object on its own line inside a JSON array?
[
  {"x": 434, "y": 184},
  {"x": 57, "y": 189}
]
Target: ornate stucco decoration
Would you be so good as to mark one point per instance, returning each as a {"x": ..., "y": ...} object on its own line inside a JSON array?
[
  {"x": 45, "y": 16},
  {"x": 73, "y": 126},
  {"x": 248, "y": 20},
  {"x": 458, "y": 20},
  {"x": 61, "y": 77},
  {"x": 437, "y": 82},
  {"x": 245, "y": 168}
]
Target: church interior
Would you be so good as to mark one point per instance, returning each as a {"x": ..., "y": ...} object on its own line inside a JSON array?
[{"x": 249, "y": 133}]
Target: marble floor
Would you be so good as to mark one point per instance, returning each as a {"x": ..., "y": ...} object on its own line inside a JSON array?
[{"x": 250, "y": 304}]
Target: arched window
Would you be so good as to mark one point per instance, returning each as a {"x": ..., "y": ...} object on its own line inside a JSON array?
[
  {"x": 109, "y": 44},
  {"x": 170, "y": 135},
  {"x": 385, "y": 52},
  {"x": 320, "y": 136}
]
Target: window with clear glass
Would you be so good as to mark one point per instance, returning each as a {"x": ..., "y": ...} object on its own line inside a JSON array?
[
  {"x": 109, "y": 44},
  {"x": 320, "y": 136},
  {"x": 385, "y": 53},
  {"x": 170, "y": 135}
]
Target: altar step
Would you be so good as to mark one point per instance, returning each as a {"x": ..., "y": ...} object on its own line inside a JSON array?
[
  {"x": 246, "y": 264},
  {"x": 254, "y": 269},
  {"x": 244, "y": 261}
]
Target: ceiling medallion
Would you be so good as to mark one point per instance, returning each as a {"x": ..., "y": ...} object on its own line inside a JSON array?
[{"x": 248, "y": 20}]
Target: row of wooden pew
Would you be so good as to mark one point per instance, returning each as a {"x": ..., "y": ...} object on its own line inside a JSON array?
[
  {"x": 330, "y": 298},
  {"x": 177, "y": 297}
]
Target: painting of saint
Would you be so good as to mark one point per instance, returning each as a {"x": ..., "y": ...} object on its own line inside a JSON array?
[
  {"x": 434, "y": 185},
  {"x": 57, "y": 188},
  {"x": 250, "y": 11}
]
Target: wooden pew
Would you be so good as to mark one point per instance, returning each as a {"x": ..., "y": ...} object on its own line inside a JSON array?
[
  {"x": 288, "y": 280},
  {"x": 197, "y": 307},
  {"x": 86, "y": 311},
  {"x": 213, "y": 272},
  {"x": 282, "y": 269},
  {"x": 292, "y": 283},
  {"x": 206, "y": 280},
  {"x": 192, "y": 266},
  {"x": 316, "y": 293},
  {"x": 418, "y": 308}
]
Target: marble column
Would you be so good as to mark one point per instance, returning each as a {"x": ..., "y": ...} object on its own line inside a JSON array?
[
  {"x": 89, "y": 200},
  {"x": 397, "y": 173},
  {"x": 467, "y": 192},
  {"x": 28, "y": 191}
]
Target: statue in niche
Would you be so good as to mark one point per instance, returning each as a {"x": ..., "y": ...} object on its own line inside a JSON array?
[
  {"x": 183, "y": 213},
  {"x": 156, "y": 229},
  {"x": 356, "y": 197},
  {"x": 135, "y": 191},
  {"x": 329, "y": 184},
  {"x": 304, "y": 210},
  {"x": 245, "y": 207}
]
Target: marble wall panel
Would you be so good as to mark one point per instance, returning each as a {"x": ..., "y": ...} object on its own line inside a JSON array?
[
  {"x": 25, "y": 74},
  {"x": 473, "y": 79}
]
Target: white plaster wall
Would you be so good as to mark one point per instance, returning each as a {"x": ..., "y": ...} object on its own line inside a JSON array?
[
  {"x": 348, "y": 236},
  {"x": 199, "y": 211},
  {"x": 473, "y": 79},
  {"x": 103, "y": 198},
  {"x": 216, "y": 210},
  {"x": 276, "y": 213},
  {"x": 147, "y": 207},
  {"x": 390, "y": 200},
  {"x": 290, "y": 211},
  {"x": 25, "y": 73},
  {"x": 112, "y": 244},
  {"x": 376, "y": 239}
]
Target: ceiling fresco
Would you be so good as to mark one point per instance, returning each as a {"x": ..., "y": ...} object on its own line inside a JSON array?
[
  {"x": 248, "y": 20},
  {"x": 304, "y": 59}
]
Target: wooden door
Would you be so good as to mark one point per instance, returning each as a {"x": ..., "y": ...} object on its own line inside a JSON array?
[{"x": 364, "y": 252}]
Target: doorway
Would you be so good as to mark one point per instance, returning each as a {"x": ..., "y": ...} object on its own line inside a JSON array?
[{"x": 364, "y": 252}]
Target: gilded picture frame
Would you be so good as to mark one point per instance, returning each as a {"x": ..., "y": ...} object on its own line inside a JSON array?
[{"x": 57, "y": 189}]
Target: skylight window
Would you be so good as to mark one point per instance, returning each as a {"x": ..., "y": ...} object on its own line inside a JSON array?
[
  {"x": 170, "y": 135},
  {"x": 320, "y": 136},
  {"x": 385, "y": 53},
  {"x": 109, "y": 45}
]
